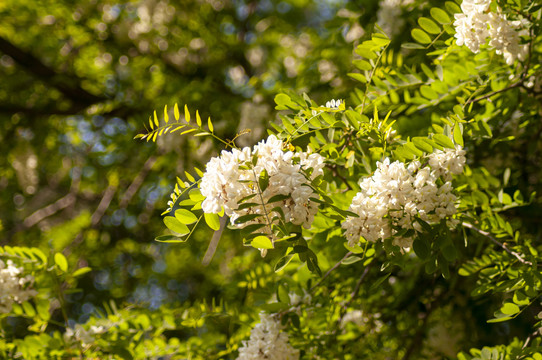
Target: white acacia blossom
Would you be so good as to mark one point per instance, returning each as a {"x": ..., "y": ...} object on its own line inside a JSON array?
[
  {"x": 396, "y": 194},
  {"x": 14, "y": 286},
  {"x": 79, "y": 333},
  {"x": 267, "y": 341},
  {"x": 231, "y": 177},
  {"x": 333, "y": 104},
  {"x": 477, "y": 23}
]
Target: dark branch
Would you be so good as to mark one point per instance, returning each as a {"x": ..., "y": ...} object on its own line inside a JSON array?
[
  {"x": 68, "y": 85},
  {"x": 495, "y": 241}
]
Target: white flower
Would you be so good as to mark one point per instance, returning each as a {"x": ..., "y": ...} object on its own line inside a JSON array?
[
  {"x": 267, "y": 341},
  {"x": 14, "y": 286},
  {"x": 232, "y": 176},
  {"x": 475, "y": 6},
  {"x": 333, "y": 104},
  {"x": 394, "y": 195},
  {"x": 476, "y": 24}
]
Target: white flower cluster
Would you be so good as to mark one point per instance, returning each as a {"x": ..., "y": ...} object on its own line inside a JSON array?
[
  {"x": 227, "y": 180},
  {"x": 360, "y": 319},
  {"x": 333, "y": 104},
  {"x": 14, "y": 287},
  {"x": 80, "y": 334},
  {"x": 389, "y": 15},
  {"x": 267, "y": 341},
  {"x": 395, "y": 195},
  {"x": 477, "y": 23}
]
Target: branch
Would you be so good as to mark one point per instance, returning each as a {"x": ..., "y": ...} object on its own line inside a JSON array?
[
  {"x": 35, "y": 66},
  {"x": 136, "y": 183},
  {"x": 103, "y": 205},
  {"x": 213, "y": 244},
  {"x": 514, "y": 85},
  {"x": 529, "y": 338},
  {"x": 49, "y": 210},
  {"x": 338, "y": 175},
  {"x": 495, "y": 241},
  {"x": 330, "y": 270},
  {"x": 353, "y": 294},
  {"x": 417, "y": 340}
]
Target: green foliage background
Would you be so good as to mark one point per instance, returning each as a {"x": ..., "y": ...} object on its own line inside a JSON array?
[{"x": 81, "y": 78}]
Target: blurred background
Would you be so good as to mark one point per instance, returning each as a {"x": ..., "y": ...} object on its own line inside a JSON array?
[{"x": 79, "y": 80}]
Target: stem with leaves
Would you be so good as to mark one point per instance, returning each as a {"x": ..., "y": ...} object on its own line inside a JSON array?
[{"x": 495, "y": 241}]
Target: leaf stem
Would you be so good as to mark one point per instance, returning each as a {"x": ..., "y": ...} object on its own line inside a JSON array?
[
  {"x": 495, "y": 241},
  {"x": 330, "y": 270}
]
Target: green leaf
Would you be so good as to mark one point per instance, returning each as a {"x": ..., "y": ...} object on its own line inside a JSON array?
[
  {"x": 283, "y": 262},
  {"x": 500, "y": 317},
  {"x": 410, "y": 45},
  {"x": 357, "y": 76},
  {"x": 170, "y": 239},
  {"x": 156, "y": 122},
  {"x": 413, "y": 149},
  {"x": 351, "y": 260},
  {"x": 444, "y": 141},
  {"x": 186, "y": 114},
  {"x": 510, "y": 309},
  {"x": 175, "y": 225},
  {"x": 81, "y": 271},
  {"x": 210, "y": 124},
  {"x": 185, "y": 216},
  {"x": 421, "y": 36},
  {"x": 422, "y": 144},
  {"x": 198, "y": 118},
  {"x": 282, "y": 294},
  {"x": 42, "y": 307},
  {"x": 362, "y": 65},
  {"x": 452, "y": 7},
  {"x": 263, "y": 180},
  {"x": 428, "y": 92},
  {"x": 166, "y": 116},
  {"x": 282, "y": 100},
  {"x": 366, "y": 51},
  {"x": 421, "y": 248},
  {"x": 458, "y": 136},
  {"x": 61, "y": 262},
  {"x": 29, "y": 309},
  {"x": 195, "y": 195},
  {"x": 262, "y": 242},
  {"x": 429, "y": 25},
  {"x": 276, "y": 198},
  {"x": 245, "y": 218},
  {"x": 449, "y": 252},
  {"x": 176, "y": 112},
  {"x": 213, "y": 221},
  {"x": 440, "y": 15}
]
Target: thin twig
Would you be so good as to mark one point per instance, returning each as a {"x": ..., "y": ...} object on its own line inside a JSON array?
[
  {"x": 213, "y": 244},
  {"x": 330, "y": 270},
  {"x": 514, "y": 85},
  {"x": 49, "y": 210},
  {"x": 137, "y": 182},
  {"x": 338, "y": 175},
  {"x": 529, "y": 338},
  {"x": 495, "y": 241},
  {"x": 354, "y": 293}
]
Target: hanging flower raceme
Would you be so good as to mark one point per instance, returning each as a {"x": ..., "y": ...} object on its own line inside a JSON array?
[
  {"x": 260, "y": 182},
  {"x": 396, "y": 194},
  {"x": 14, "y": 286},
  {"x": 267, "y": 341},
  {"x": 477, "y": 23}
]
